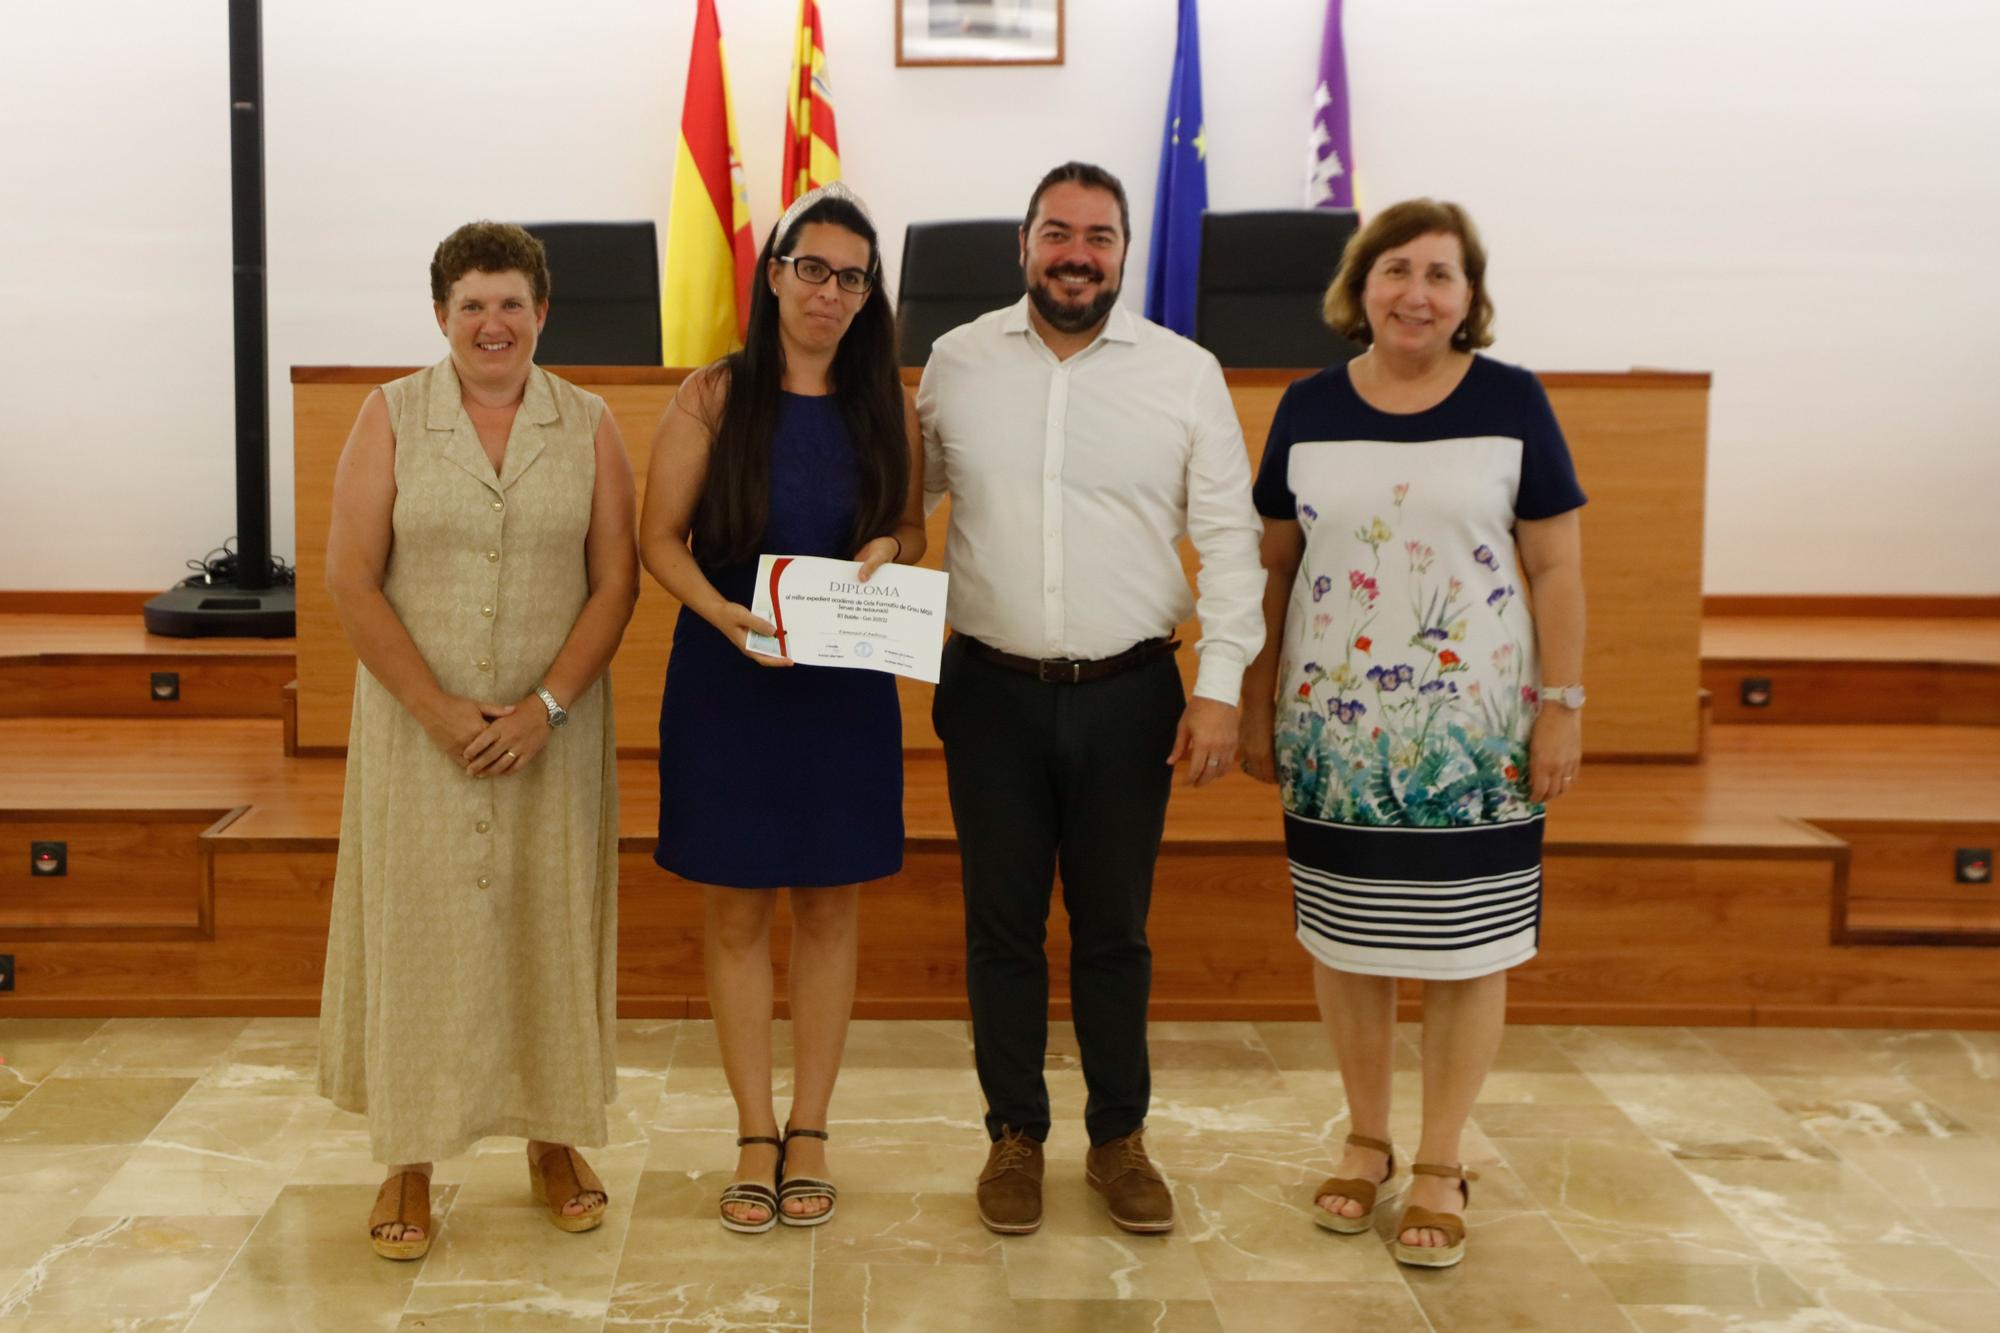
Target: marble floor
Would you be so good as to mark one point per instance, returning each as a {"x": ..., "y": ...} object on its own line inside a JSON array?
[{"x": 180, "y": 1174}]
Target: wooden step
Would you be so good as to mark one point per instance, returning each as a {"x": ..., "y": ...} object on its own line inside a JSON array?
[
  {"x": 1675, "y": 893},
  {"x": 108, "y": 666},
  {"x": 1853, "y": 669}
]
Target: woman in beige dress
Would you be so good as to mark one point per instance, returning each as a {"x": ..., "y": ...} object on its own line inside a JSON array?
[{"x": 481, "y": 558}]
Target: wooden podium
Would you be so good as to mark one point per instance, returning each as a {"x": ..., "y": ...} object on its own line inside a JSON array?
[{"x": 1639, "y": 438}]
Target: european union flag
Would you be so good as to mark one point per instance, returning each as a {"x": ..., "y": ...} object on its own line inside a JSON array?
[{"x": 1183, "y": 193}]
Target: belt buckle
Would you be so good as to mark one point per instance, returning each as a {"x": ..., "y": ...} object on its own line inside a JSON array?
[{"x": 1042, "y": 671}]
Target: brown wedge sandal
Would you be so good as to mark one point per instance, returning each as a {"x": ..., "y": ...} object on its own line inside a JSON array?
[
  {"x": 1453, "y": 1226},
  {"x": 805, "y": 1187},
  {"x": 560, "y": 1175},
  {"x": 1367, "y": 1193},
  {"x": 403, "y": 1200}
]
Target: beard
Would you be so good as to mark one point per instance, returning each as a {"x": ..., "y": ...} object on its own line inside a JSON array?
[{"x": 1068, "y": 318}]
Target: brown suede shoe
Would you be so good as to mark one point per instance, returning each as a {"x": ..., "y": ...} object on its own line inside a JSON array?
[
  {"x": 1138, "y": 1193},
  {"x": 1010, "y": 1188}
]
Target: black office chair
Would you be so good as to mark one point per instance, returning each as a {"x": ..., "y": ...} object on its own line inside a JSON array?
[
  {"x": 1262, "y": 277},
  {"x": 605, "y": 299},
  {"x": 953, "y": 272}
]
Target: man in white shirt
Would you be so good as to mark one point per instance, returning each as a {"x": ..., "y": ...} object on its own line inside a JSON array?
[{"x": 1079, "y": 444}]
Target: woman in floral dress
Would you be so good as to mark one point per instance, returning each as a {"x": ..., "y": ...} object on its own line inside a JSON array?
[{"x": 1414, "y": 713}]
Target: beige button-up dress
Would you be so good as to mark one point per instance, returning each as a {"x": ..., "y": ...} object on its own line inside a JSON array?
[{"x": 471, "y": 965}]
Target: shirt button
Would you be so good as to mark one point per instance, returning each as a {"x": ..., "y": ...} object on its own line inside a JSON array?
[
  {"x": 486, "y": 611},
  {"x": 492, "y": 557},
  {"x": 485, "y": 883},
  {"x": 498, "y": 505},
  {"x": 485, "y": 665},
  {"x": 1055, "y": 587},
  {"x": 481, "y": 826}
]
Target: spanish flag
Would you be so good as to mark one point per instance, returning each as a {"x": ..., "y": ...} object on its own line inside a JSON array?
[
  {"x": 705, "y": 305},
  {"x": 812, "y": 151}
]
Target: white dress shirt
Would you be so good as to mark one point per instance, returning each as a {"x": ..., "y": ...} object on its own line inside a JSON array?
[{"x": 1072, "y": 483}]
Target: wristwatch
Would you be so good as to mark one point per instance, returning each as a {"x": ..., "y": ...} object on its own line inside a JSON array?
[
  {"x": 557, "y": 713},
  {"x": 1569, "y": 696}
]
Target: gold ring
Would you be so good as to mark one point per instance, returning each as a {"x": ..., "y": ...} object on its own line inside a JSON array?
[{"x": 512, "y": 755}]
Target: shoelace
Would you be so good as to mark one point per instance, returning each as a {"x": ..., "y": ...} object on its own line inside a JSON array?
[{"x": 1015, "y": 1150}]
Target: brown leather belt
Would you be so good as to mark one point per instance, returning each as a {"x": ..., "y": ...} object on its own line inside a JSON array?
[{"x": 1073, "y": 670}]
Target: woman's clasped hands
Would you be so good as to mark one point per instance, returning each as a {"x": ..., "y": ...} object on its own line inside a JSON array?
[{"x": 489, "y": 740}]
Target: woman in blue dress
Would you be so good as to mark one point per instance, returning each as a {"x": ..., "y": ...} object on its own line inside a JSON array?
[
  {"x": 773, "y": 775},
  {"x": 1418, "y": 697}
]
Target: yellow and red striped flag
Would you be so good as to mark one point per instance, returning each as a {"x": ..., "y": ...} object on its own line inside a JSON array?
[
  {"x": 705, "y": 301},
  {"x": 812, "y": 150}
]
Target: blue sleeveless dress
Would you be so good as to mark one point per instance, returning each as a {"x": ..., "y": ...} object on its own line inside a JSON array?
[{"x": 782, "y": 777}]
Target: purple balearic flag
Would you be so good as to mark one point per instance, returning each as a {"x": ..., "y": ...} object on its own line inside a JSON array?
[{"x": 1330, "y": 152}]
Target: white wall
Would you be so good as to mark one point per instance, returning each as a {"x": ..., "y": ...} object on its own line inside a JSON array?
[{"x": 1798, "y": 196}]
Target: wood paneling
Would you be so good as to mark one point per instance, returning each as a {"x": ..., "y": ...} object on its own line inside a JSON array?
[
  {"x": 1642, "y": 454},
  {"x": 1899, "y": 886},
  {"x": 1807, "y": 604},
  {"x": 66, "y": 685},
  {"x": 1876, "y": 668},
  {"x": 101, "y": 665},
  {"x": 1675, "y": 893},
  {"x": 132, "y": 874},
  {"x": 24, "y": 634},
  {"x": 73, "y": 603},
  {"x": 1818, "y": 691},
  {"x": 1756, "y": 783},
  {"x": 1640, "y": 442},
  {"x": 1968, "y": 640},
  {"x": 1625, "y": 940}
]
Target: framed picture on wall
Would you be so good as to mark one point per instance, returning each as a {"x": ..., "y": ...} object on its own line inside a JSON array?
[{"x": 979, "y": 32}]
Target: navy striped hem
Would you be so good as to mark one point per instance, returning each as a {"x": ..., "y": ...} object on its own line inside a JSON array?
[{"x": 1409, "y": 902}]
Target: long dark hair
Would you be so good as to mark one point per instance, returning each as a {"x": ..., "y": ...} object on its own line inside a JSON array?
[{"x": 736, "y": 498}]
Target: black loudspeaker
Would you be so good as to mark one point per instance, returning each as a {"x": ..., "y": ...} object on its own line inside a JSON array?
[
  {"x": 953, "y": 272},
  {"x": 604, "y": 306},
  {"x": 247, "y": 603},
  {"x": 253, "y": 387},
  {"x": 1262, "y": 278}
]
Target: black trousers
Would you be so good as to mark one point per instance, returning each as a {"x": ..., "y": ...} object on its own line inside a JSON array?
[{"x": 1044, "y": 778}]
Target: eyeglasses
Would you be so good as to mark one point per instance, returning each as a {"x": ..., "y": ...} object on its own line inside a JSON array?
[{"x": 812, "y": 269}]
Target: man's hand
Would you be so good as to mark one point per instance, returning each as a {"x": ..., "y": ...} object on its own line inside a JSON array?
[{"x": 1206, "y": 739}]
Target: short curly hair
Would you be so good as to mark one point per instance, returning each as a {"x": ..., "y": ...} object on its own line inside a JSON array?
[
  {"x": 1397, "y": 225},
  {"x": 488, "y": 247}
]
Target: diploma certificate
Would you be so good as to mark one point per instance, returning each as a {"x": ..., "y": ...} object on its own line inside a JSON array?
[{"x": 825, "y": 616}]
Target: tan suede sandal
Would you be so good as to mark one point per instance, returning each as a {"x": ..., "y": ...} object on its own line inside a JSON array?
[
  {"x": 805, "y": 1187},
  {"x": 559, "y": 1176},
  {"x": 403, "y": 1200},
  {"x": 1367, "y": 1193},
  {"x": 1453, "y": 1226},
  {"x": 754, "y": 1193}
]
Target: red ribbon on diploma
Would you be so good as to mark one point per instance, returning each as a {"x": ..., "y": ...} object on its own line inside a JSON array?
[{"x": 777, "y": 607}]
